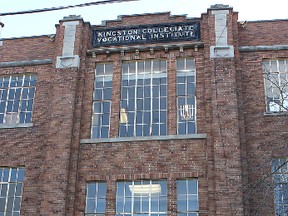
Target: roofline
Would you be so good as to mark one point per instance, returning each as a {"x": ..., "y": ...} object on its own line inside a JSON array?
[
  {"x": 26, "y": 37},
  {"x": 273, "y": 20},
  {"x": 120, "y": 17}
]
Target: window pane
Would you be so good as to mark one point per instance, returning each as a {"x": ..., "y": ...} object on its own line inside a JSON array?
[
  {"x": 99, "y": 69},
  {"x": 18, "y": 189},
  {"x": 101, "y": 190},
  {"x": 192, "y": 187},
  {"x": 31, "y": 93},
  {"x": 13, "y": 175},
  {"x": 102, "y": 100},
  {"x": 11, "y": 191},
  {"x": 120, "y": 204},
  {"x": 2, "y": 204},
  {"x": 145, "y": 204},
  {"x": 154, "y": 204},
  {"x": 181, "y": 89},
  {"x": 9, "y": 205},
  {"x": 105, "y": 119},
  {"x": 136, "y": 204},
  {"x": 17, "y": 203},
  {"x": 155, "y": 129},
  {"x": 90, "y": 206},
  {"x": 192, "y": 203},
  {"x": 101, "y": 205},
  {"x": 2, "y": 107},
  {"x": 163, "y": 204},
  {"x": 91, "y": 190},
  {"x": 21, "y": 172},
  {"x": 180, "y": 64},
  {"x": 28, "y": 117},
  {"x": 163, "y": 129},
  {"x": 182, "y": 203},
  {"x": 6, "y": 175},
  {"x": 128, "y": 205},
  {"x": 181, "y": 187},
  {"x": 18, "y": 94},
  {"x": 1, "y": 118},
  {"x": 4, "y": 189},
  {"x": 107, "y": 93}
]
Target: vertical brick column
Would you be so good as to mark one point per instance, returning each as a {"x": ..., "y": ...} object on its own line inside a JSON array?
[
  {"x": 224, "y": 135},
  {"x": 63, "y": 100}
]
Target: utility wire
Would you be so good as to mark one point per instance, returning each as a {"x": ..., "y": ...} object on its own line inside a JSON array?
[{"x": 64, "y": 7}]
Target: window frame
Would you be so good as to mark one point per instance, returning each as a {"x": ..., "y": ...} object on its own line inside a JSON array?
[
  {"x": 141, "y": 78},
  {"x": 17, "y": 96},
  {"x": 11, "y": 176},
  {"x": 187, "y": 195},
  {"x": 145, "y": 198},
  {"x": 95, "y": 199},
  {"x": 276, "y": 92},
  {"x": 103, "y": 102},
  {"x": 187, "y": 73},
  {"x": 280, "y": 180}
]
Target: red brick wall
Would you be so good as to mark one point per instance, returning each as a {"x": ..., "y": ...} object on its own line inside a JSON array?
[
  {"x": 40, "y": 47},
  {"x": 28, "y": 146},
  {"x": 265, "y": 136},
  {"x": 230, "y": 107},
  {"x": 170, "y": 160},
  {"x": 256, "y": 33}
]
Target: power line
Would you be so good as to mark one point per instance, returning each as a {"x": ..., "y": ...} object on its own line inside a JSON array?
[{"x": 64, "y": 7}]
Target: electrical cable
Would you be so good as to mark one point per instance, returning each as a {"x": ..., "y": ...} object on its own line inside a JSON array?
[{"x": 64, "y": 7}]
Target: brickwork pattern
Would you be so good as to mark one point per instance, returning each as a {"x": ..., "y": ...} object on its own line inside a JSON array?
[{"x": 233, "y": 164}]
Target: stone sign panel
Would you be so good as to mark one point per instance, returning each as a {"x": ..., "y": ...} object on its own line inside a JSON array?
[{"x": 146, "y": 34}]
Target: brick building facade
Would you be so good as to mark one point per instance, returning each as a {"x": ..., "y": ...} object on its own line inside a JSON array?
[{"x": 108, "y": 120}]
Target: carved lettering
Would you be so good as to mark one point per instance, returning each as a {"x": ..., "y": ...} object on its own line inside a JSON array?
[{"x": 144, "y": 34}]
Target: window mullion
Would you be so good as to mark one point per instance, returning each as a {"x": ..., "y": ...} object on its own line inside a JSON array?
[
  {"x": 7, "y": 99},
  {"x": 150, "y": 199},
  {"x": 135, "y": 98},
  {"x": 6, "y": 195},
  {"x": 19, "y": 104},
  {"x": 21, "y": 97},
  {"x": 132, "y": 199},
  {"x": 187, "y": 196}
]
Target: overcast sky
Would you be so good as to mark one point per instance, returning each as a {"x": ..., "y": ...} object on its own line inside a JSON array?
[{"x": 44, "y": 23}]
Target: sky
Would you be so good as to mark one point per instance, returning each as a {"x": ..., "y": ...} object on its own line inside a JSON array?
[{"x": 44, "y": 23}]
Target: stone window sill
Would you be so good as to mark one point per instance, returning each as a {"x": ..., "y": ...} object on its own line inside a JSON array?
[
  {"x": 281, "y": 113},
  {"x": 3, "y": 126},
  {"x": 147, "y": 138}
]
